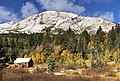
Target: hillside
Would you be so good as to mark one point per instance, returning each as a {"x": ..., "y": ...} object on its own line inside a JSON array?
[{"x": 53, "y": 19}]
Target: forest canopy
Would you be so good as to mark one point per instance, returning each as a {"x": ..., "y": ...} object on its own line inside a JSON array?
[{"x": 60, "y": 45}]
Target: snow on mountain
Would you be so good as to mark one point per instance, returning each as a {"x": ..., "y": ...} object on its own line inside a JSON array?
[{"x": 64, "y": 20}]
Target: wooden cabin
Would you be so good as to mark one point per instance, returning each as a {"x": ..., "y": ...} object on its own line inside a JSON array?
[{"x": 23, "y": 62}]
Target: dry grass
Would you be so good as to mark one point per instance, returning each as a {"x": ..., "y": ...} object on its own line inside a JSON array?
[
  {"x": 111, "y": 74},
  {"x": 97, "y": 71},
  {"x": 59, "y": 67},
  {"x": 23, "y": 75},
  {"x": 1, "y": 73},
  {"x": 70, "y": 66}
]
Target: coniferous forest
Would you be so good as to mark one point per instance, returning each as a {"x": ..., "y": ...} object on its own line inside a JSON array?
[{"x": 64, "y": 46}]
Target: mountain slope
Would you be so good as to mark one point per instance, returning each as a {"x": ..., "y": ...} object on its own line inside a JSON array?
[{"x": 36, "y": 23}]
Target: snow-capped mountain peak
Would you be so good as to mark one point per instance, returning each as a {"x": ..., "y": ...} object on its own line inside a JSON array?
[{"x": 63, "y": 20}]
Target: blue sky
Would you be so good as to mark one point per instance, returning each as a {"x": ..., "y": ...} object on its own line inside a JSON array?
[{"x": 12, "y": 10}]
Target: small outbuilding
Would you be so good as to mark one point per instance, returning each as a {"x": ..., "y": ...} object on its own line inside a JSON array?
[{"x": 23, "y": 62}]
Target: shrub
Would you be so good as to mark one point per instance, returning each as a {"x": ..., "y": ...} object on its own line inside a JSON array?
[
  {"x": 40, "y": 70},
  {"x": 70, "y": 66},
  {"x": 118, "y": 69},
  {"x": 96, "y": 71},
  {"x": 111, "y": 74},
  {"x": 51, "y": 64}
]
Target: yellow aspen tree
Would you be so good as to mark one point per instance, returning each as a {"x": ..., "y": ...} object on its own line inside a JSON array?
[
  {"x": 33, "y": 58},
  {"x": 65, "y": 53},
  {"x": 79, "y": 61},
  {"x": 106, "y": 39},
  {"x": 106, "y": 57},
  {"x": 110, "y": 55},
  {"x": 42, "y": 57},
  {"x": 101, "y": 54},
  {"x": 118, "y": 51},
  {"x": 25, "y": 56},
  {"x": 69, "y": 56},
  {"x": 30, "y": 54},
  {"x": 54, "y": 55},
  {"x": 91, "y": 47},
  {"x": 115, "y": 56},
  {"x": 101, "y": 46},
  {"x": 37, "y": 56},
  {"x": 68, "y": 61}
]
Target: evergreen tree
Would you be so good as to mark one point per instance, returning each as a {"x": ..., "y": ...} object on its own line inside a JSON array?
[
  {"x": 51, "y": 64},
  {"x": 112, "y": 38},
  {"x": 100, "y": 35},
  {"x": 86, "y": 39},
  {"x": 70, "y": 40},
  {"x": 2, "y": 52}
]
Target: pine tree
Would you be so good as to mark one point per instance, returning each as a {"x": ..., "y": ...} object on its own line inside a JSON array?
[
  {"x": 51, "y": 64},
  {"x": 100, "y": 35},
  {"x": 86, "y": 39},
  {"x": 112, "y": 38}
]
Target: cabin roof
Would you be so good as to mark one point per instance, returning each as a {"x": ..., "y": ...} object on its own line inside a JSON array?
[{"x": 21, "y": 60}]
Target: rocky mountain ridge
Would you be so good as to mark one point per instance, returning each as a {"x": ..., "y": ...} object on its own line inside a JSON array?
[{"x": 53, "y": 19}]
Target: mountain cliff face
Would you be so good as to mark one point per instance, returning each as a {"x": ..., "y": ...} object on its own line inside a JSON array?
[{"x": 53, "y": 19}]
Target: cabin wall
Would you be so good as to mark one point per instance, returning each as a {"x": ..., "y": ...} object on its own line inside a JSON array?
[
  {"x": 30, "y": 63},
  {"x": 25, "y": 64}
]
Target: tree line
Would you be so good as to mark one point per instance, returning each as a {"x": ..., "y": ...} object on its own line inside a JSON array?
[{"x": 63, "y": 46}]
